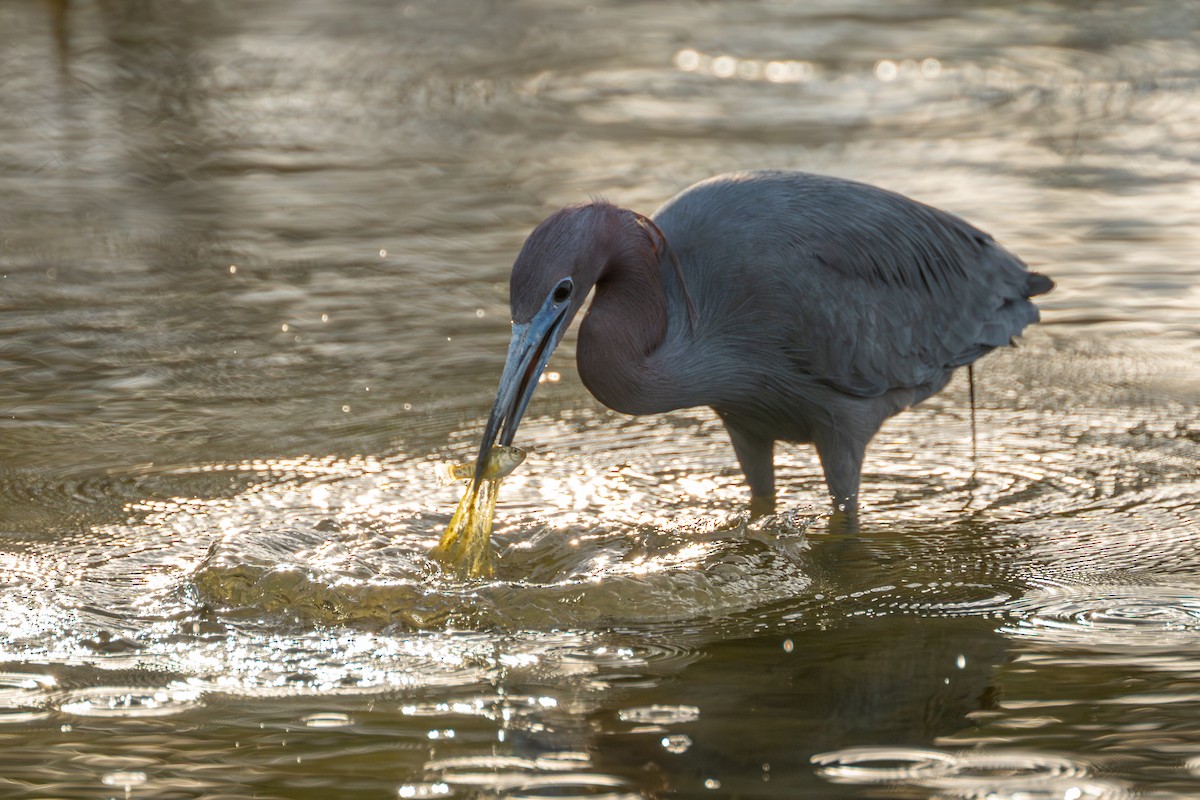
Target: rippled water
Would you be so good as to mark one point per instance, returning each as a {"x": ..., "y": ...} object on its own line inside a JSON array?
[{"x": 253, "y": 288}]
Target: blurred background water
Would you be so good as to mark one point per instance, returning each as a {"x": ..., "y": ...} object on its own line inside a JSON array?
[{"x": 253, "y": 286}]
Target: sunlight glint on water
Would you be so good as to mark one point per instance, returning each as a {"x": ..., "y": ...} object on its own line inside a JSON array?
[{"x": 253, "y": 285}]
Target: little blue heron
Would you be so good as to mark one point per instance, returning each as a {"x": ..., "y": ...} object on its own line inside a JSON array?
[{"x": 799, "y": 307}]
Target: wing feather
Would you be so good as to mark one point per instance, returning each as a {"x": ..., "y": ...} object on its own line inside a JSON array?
[{"x": 844, "y": 283}]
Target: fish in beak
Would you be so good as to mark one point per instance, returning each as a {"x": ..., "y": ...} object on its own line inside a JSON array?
[{"x": 529, "y": 351}]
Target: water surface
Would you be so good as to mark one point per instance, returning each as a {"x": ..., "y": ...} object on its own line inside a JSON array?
[{"x": 253, "y": 287}]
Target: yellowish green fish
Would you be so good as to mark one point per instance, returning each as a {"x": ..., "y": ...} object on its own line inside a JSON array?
[
  {"x": 466, "y": 544},
  {"x": 501, "y": 462}
]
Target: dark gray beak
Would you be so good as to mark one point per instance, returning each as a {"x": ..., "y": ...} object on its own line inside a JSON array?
[{"x": 528, "y": 352}]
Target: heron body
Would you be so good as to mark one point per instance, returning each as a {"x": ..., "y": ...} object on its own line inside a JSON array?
[{"x": 801, "y": 308}]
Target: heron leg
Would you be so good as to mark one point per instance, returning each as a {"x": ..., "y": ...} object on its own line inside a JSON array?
[
  {"x": 757, "y": 459},
  {"x": 841, "y": 458}
]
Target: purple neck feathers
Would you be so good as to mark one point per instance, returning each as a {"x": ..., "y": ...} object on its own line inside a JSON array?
[{"x": 627, "y": 320}]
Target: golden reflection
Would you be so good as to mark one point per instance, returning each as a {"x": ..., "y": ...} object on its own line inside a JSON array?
[
  {"x": 124, "y": 779},
  {"x": 438, "y": 789},
  {"x": 105, "y": 701},
  {"x": 998, "y": 772},
  {"x": 727, "y": 66},
  {"x": 327, "y": 719}
]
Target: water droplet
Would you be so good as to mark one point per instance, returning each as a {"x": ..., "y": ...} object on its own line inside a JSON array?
[
  {"x": 886, "y": 70},
  {"x": 328, "y": 719},
  {"x": 749, "y": 69},
  {"x": 124, "y": 779},
  {"x": 233, "y": 269},
  {"x": 788, "y": 645},
  {"x": 712, "y": 783},
  {"x": 659, "y": 714},
  {"x": 687, "y": 60},
  {"x": 678, "y": 743},
  {"x": 724, "y": 66},
  {"x": 424, "y": 790}
]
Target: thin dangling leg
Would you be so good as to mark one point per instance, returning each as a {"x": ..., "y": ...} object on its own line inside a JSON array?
[
  {"x": 757, "y": 459},
  {"x": 971, "y": 397},
  {"x": 972, "y": 483}
]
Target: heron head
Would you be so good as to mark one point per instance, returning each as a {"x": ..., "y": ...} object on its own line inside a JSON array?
[{"x": 561, "y": 261}]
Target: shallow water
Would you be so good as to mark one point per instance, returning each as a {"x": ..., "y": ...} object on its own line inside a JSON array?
[{"x": 253, "y": 288}]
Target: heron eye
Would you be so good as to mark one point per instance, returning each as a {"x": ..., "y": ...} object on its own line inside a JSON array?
[{"x": 562, "y": 291}]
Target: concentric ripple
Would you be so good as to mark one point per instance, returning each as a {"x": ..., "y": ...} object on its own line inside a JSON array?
[
  {"x": 129, "y": 702},
  {"x": 1124, "y": 617},
  {"x": 970, "y": 774},
  {"x": 559, "y": 775},
  {"x": 1042, "y": 464},
  {"x": 24, "y": 696}
]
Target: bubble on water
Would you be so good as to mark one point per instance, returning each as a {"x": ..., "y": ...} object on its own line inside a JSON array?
[
  {"x": 659, "y": 714},
  {"x": 687, "y": 60},
  {"x": 328, "y": 719},
  {"x": 677, "y": 743},
  {"x": 424, "y": 790},
  {"x": 724, "y": 66},
  {"x": 123, "y": 779}
]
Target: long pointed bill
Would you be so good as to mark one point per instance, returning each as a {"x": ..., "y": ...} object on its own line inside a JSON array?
[{"x": 528, "y": 352}]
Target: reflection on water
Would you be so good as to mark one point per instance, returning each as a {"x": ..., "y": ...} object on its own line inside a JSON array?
[
  {"x": 970, "y": 774},
  {"x": 253, "y": 286}
]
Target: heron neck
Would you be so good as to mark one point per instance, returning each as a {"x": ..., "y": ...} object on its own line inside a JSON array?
[{"x": 625, "y": 326}]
